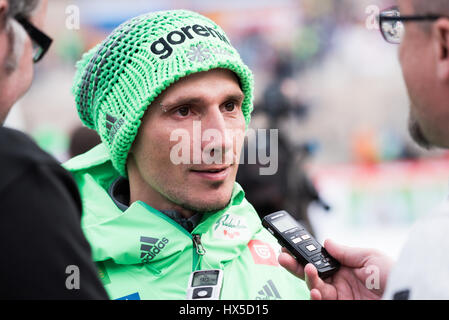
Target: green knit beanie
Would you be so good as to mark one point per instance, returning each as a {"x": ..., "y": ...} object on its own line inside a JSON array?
[{"x": 118, "y": 79}]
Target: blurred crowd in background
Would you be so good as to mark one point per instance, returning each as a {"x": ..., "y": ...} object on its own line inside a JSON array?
[{"x": 324, "y": 77}]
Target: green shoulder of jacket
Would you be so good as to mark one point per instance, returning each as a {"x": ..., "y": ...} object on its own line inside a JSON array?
[{"x": 143, "y": 254}]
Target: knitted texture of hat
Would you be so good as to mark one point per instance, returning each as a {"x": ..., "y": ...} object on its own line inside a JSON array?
[{"x": 118, "y": 79}]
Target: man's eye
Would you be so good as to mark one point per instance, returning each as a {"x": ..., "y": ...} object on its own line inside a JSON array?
[
  {"x": 230, "y": 106},
  {"x": 183, "y": 111}
]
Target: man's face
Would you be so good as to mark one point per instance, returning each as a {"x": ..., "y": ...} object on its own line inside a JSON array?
[
  {"x": 200, "y": 118},
  {"x": 429, "y": 114},
  {"x": 14, "y": 83}
]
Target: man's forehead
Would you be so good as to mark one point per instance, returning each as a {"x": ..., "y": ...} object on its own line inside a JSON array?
[
  {"x": 405, "y": 6},
  {"x": 38, "y": 14},
  {"x": 225, "y": 73},
  {"x": 229, "y": 78}
]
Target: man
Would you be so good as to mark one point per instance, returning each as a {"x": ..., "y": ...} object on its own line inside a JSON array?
[
  {"x": 171, "y": 99},
  {"x": 45, "y": 255},
  {"x": 422, "y": 29}
]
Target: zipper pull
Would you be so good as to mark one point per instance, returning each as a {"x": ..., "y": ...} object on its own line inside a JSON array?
[{"x": 198, "y": 245}]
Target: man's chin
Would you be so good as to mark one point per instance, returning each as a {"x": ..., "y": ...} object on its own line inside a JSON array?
[
  {"x": 203, "y": 207},
  {"x": 208, "y": 202}
]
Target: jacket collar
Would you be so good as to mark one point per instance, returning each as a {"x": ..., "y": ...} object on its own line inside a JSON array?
[{"x": 142, "y": 234}]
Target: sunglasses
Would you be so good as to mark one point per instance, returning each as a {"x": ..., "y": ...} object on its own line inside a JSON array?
[{"x": 41, "y": 42}]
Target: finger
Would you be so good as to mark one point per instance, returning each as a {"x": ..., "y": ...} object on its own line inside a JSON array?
[
  {"x": 312, "y": 278},
  {"x": 324, "y": 290},
  {"x": 348, "y": 256},
  {"x": 315, "y": 294},
  {"x": 290, "y": 263}
]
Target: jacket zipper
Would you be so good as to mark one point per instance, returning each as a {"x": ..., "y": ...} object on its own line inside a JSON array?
[
  {"x": 198, "y": 250},
  {"x": 198, "y": 245}
]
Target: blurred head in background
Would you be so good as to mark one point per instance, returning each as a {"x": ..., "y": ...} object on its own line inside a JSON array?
[
  {"x": 424, "y": 57},
  {"x": 82, "y": 139},
  {"x": 17, "y": 49}
]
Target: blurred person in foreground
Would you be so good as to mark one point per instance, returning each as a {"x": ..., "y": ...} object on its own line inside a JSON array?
[
  {"x": 45, "y": 254},
  {"x": 166, "y": 85},
  {"x": 422, "y": 30}
]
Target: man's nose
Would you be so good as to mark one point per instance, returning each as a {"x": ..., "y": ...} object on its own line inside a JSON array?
[{"x": 217, "y": 136}]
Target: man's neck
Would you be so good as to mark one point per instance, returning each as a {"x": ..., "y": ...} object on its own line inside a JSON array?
[
  {"x": 119, "y": 192},
  {"x": 141, "y": 191}
]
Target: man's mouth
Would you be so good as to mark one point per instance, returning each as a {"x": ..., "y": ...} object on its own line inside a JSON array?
[
  {"x": 210, "y": 170},
  {"x": 215, "y": 173}
]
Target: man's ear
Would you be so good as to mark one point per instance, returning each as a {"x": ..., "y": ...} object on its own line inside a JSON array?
[{"x": 440, "y": 39}]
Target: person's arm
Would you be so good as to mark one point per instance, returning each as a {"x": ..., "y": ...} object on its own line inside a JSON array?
[
  {"x": 363, "y": 273},
  {"x": 41, "y": 241}
]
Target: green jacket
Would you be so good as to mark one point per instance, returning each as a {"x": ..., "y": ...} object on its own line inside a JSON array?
[{"x": 143, "y": 254}]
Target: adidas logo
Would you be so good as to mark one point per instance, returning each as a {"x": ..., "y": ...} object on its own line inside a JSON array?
[
  {"x": 113, "y": 125},
  {"x": 150, "y": 247},
  {"x": 268, "y": 292}
]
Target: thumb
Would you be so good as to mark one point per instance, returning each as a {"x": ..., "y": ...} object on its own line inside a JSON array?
[{"x": 348, "y": 256}]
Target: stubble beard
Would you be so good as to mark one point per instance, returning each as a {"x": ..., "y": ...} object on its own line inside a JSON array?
[
  {"x": 196, "y": 207},
  {"x": 182, "y": 200}
]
